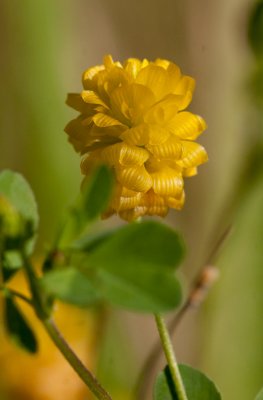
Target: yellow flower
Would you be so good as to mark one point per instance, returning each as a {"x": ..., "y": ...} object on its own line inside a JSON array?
[{"x": 132, "y": 118}]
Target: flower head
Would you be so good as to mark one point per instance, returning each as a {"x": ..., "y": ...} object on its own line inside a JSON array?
[{"x": 132, "y": 118}]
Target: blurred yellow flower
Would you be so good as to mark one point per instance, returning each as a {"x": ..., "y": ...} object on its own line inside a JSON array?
[
  {"x": 46, "y": 375},
  {"x": 132, "y": 119}
]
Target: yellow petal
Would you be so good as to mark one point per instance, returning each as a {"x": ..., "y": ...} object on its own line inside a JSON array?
[
  {"x": 151, "y": 199},
  {"x": 114, "y": 78},
  {"x": 78, "y": 134},
  {"x": 172, "y": 148},
  {"x": 89, "y": 96},
  {"x": 121, "y": 190},
  {"x": 174, "y": 75},
  {"x": 151, "y": 204},
  {"x": 185, "y": 87},
  {"x": 161, "y": 211},
  {"x": 167, "y": 182},
  {"x": 193, "y": 154},
  {"x": 132, "y": 215},
  {"x": 155, "y": 78},
  {"x": 75, "y": 101},
  {"x": 121, "y": 153},
  {"x": 186, "y": 125},
  {"x": 186, "y": 100},
  {"x": 185, "y": 84},
  {"x": 134, "y": 178},
  {"x": 103, "y": 120},
  {"x": 99, "y": 144},
  {"x": 157, "y": 135},
  {"x": 138, "y": 135},
  {"x": 160, "y": 62},
  {"x": 170, "y": 104},
  {"x": 175, "y": 202},
  {"x": 114, "y": 131},
  {"x": 133, "y": 66},
  {"x": 155, "y": 115},
  {"x": 125, "y": 203},
  {"x": 89, "y": 74},
  {"x": 130, "y": 101},
  {"x": 145, "y": 134},
  {"x": 188, "y": 172},
  {"x": 108, "y": 61},
  {"x": 89, "y": 162}
]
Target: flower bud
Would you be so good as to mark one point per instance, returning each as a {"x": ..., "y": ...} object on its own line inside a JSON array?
[{"x": 12, "y": 226}]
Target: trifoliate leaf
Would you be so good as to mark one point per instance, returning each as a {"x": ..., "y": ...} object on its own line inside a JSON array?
[
  {"x": 139, "y": 245},
  {"x": 143, "y": 289},
  {"x": 135, "y": 267},
  {"x": 71, "y": 286}
]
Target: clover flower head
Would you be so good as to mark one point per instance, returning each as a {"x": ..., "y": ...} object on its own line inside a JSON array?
[{"x": 132, "y": 118}]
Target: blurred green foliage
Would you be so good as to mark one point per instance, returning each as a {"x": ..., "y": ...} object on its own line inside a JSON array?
[
  {"x": 255, "y": 29},
  {"x": 233, "y": 339},
  {"x": 260, "y": 395},
  {"x": 33, "y": 112},
  {"x": 233, "y": 329}
]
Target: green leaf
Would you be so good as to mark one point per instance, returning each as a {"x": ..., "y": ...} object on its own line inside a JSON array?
[
  {"x": 140, "y": 245},
  {"x": 143, "y": 290},
  {"x": 91, "y": 203},
  {"x": 197, "y": 385},
  {"x": 89, "y": 242},
  {"x": 71, "y": 286},
  {"x": 135, "y": 267},
  {"x": 18, "y": 192},
  {"x": 12, "y": 260},
  {"x": 16, "y": 189},
  {"x": 18, "y": 328},
  {"x": 97, "y": 193},
  {"x": 260, "y": 395}
]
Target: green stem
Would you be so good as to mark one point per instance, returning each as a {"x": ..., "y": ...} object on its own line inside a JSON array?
[
  {"x": 36, "y": 292},
  {"x": 43, "y": 313},
  {"x": 170, "y": 357},
  {"x": 16, "y": 294},
  {"x": 75, "y": 362}
]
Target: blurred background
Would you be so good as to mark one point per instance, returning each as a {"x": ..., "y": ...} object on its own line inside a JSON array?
[{"x": 45, "y": 47}]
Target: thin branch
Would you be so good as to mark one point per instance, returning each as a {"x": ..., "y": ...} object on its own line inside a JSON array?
[{"x": 17, "y": 294}]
